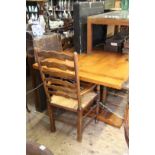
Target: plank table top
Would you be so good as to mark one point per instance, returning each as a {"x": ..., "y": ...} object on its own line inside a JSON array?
[{"x": 108, "y": 69}]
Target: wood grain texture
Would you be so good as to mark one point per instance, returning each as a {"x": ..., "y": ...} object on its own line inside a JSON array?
[
  {"x": 89, "y": 36},
  {"x": 107, "y": 64},
  {"x": 108, "y": 21},
  {"x": 62, "y": 88},
  {"x": 55, "y": 54},
  {"x": 57, "y": 65},
  {"x": 108, "y": 118},
  {"x": 64, "y": 83},
  {"x": 59, "y": 73},
  {"x": 104, "y": 68}
]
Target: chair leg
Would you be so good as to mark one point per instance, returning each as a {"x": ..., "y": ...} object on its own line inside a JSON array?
[
  {"x": 79, "y": 126},
  {"x": 51, "y": 116}
]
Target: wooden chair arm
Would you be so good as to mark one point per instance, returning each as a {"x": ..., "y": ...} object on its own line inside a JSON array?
[{"x": 87, "y": 88}]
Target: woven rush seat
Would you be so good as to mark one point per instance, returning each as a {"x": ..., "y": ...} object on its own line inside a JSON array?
[{"x": 72, "y": 103}]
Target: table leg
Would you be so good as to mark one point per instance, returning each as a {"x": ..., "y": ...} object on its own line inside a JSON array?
[
  {"x": 89, "y": 37},
  {"x": 103, "y": 92}
]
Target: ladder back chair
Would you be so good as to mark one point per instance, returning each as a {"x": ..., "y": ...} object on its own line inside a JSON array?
[{"x": 59, "y": 72}]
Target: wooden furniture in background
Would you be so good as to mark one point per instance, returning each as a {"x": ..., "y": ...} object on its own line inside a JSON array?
[
  {"x": 63, "y": 90},
  {"x": 118, "y": 4},
  {"x": 116, "y": 18}
]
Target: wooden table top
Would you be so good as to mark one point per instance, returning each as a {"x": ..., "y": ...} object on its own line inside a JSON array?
[
  {"x": 120, "y": 17},
  {"x": 109, "y": 69}
]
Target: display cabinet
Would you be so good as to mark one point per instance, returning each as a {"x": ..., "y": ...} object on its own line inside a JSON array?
[
  {"x": 58, "y": 16},
  {"x": 61, "y": 20},
  {"x": 34, "y": 8}
]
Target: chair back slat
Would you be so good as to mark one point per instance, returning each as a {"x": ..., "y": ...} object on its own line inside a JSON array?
[
  {"x": 57, "y": 65},
  {"x": 64, "y": 94},
  {"x": 56, "y": 73},
  {"x": 56, "y": 55},
  {"x": 65, "y": 83},
  {"x": 59, "y": 73},
  {"x": 61, "y": 88}
]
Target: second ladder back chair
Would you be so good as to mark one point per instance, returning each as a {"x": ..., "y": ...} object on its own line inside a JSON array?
[{"x": 59, "y": 72}]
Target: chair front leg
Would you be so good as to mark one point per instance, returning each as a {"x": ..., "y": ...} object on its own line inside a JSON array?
[
  {"x": 79, "y": 125},
  {"x": 51, "y": 117}
]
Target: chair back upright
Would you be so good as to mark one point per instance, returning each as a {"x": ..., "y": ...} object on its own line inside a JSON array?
[{"x": 59, "y": 73}]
